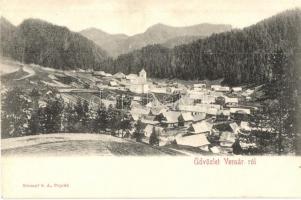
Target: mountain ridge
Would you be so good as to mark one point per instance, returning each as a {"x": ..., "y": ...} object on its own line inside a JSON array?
[
  {"x": 155, "y": 34},
  {"x": 40, "y": 42}
]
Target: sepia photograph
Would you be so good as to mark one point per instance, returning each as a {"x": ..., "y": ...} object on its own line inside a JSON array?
[{"x": 212, "y": 81}]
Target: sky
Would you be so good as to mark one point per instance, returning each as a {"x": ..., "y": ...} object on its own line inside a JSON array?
[{"x": 135, "y": 16}]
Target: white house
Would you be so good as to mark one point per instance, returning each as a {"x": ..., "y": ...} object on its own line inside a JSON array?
[
  {"x": 215, "y": 87},
  {"x": 119, "y": 75},
  {"x": 200, "y": 127},
  {"x": 227, "y": 139},
  {"x": 223, "y": 89},
  {"x": 232, "y": 100},
  {"x": 237, "y": 89},
  {"x": 199, "y": 140},
  {"x": 244, "y": 110},
  {"x": 185, "y": 119},
  {"x": 199, "y": 86},
  {"x": 169, "y": 118},
  {"x": 138, "y": 88}
]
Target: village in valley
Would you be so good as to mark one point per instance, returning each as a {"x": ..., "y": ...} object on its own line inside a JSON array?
[
  {"x": 201, "y": 116},
  {"x": 213, "y": 118}
]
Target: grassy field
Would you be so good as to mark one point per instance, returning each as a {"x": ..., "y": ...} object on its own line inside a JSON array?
[{"x": 79, "y": 145}]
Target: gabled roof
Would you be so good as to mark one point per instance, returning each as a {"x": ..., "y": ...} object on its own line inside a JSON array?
[
  {"x": 149, "y": 120},
  {"x": 223, "y": 112},
  {"x": 227, "y": 137},
  {"x": 135, "y": 104},
  {"x": 200, "y": 127},
  {"x": 231, "y": 100},
  {"x": 171, "y": 116},
  {"x": 234, "y": 127},
  {"x": 186, "y": 116},
  {"x": 141, "y": 111},
  {"x": 240, "y": 110},
  {"x": 245, "y": 125},
  {"x": 148, "y": 130},
  {"x": 135, "y": 116},
  {"x": 193, "y": 140},
  {"x": 142, "y": 71},
  {"x": 212, "y": 111},
  {"x": 132, "y": 76},
  {"x": 119, "y": 75},
  {"x": 199, "y": 117},
  {"x": 157, "y": 110},
  {"x": 237, "y": 89}
]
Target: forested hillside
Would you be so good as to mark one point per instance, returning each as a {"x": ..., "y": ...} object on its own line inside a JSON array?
[
  {"x": 116, "y": 44},
  {"x": 238, "y": 56},
  {"x": 39, "y": 42}
]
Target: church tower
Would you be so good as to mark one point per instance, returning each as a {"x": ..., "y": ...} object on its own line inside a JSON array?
[{"x": 142, "y": 74}]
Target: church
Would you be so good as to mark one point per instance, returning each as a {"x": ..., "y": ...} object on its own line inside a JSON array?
[{"x": 138, "y": 83}]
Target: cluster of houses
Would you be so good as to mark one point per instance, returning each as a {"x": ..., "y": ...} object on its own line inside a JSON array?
[{"x": 210, "y": 118}]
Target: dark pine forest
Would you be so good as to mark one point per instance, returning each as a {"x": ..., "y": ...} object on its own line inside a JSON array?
[{"x": 239, "y": 56}]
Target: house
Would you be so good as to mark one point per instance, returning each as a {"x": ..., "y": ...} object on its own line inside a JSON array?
[
  {"x": 235, "y": 128},
  {"x": 113, "y": 84},
  {"x": 223, "y": 89},
  {"x": 199, "y": 117},
  {"x": 146, "y": 119},
  {"x": 223, "y": 115},
  {"x": 185, "y": 119},
  {"x": 212, "y": 112},
  {"x": 220, "y": 100},
  {"x": 108, "y": 75},
  {"x": 158, "y": 90},
  {"x": 134, "y": 116},
  {"x": 227, "y": 139},
  {"x": 137, "y": 98},
  {"x": 131, "y": 76},
  {"x": 208, "y": 99},
  {"x": 215, "y": 150},
  {"x": 157, "y": 110},
  {"x": 199, "y": 140},
  {"x": 248, "y": 92},
  {"x": 119, "y": 75},
  {"x": 169, "y": 118},
  {"x": 231, "y": 100},
  {"x": 245, "y": 126},
  {"x": 200, "y": 127},
  {"x": 241, "y": 110},
  {"x": 140, "y": 111},
  {"x": 199, "y": 86},
  {"x": 198, "y": 109},
  {"x": 237, "y": 89},
  {"x": 138, "y": 88},
  {"x": 137, "y": 79},
  {"x": 193, "y": 109},
  {"x": 148, "y": 130},
  {"x": 209, "y": 106},
  {"x": 137, "y": 113},
  {"x": 215, "y": 87},
  {"x": 99, "y": 73},
  {"x": 240, "y": 115},
  {"x": 184, "y": 100},
  {"x": 170, "y": 90},
  {"x": 108, "y": 103},
  {"x": 135, "y": 104}
]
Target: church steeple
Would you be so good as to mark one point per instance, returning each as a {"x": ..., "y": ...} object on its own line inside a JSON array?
[{"x": 142, "y": 74}]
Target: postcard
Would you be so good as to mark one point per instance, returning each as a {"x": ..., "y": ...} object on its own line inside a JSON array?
[{"x": 150, "y": 99}]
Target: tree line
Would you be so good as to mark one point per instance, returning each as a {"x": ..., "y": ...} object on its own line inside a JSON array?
[
  {"x": 23, "y": 115},
  {"x": 237, "y": 56}
]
